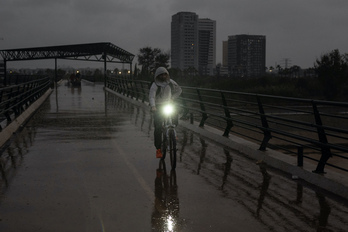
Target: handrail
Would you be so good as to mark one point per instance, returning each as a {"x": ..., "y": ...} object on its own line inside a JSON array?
[
  {"x": 312, "y": 129},
  {"x": 15, "y": 99}
]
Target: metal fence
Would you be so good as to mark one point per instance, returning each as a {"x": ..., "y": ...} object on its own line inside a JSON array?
[
  {"x": 16, "y": 98},
  {"x": 311, "y": 129}
]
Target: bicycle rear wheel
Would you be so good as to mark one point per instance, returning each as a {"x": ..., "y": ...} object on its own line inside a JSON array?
[{"x": 172, "y": 148}]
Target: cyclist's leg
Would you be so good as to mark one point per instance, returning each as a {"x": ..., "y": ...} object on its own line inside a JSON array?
[{"x": 157, "y": 130}]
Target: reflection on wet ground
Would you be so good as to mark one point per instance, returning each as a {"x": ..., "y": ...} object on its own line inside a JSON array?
[
  {"x": 278, "y": 202},
  {"x": 12, "y": 156},
  {"x": 274, "y": 199},
  {"x": 165, "y": 216},
  {"x": 271, "y": 198}
]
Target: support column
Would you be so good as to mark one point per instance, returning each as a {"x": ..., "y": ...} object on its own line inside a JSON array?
[
  {"x": 130, "y": 68},
  {"x": 5, "y": 73},
  {"x": 55, "y": 72},
  {"x": 104, "y": 56}
]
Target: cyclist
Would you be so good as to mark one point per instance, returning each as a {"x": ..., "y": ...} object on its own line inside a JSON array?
[{"x": 162, "y": 90}]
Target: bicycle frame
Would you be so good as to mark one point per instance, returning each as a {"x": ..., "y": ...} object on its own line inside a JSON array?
[{"x": 169, "y": 139}]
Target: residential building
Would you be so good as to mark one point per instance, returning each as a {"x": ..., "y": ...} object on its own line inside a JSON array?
[
  {"x": 206, "y": 46},
  {"x": 193, "y": 43},
  {"x": 184, "y": 40},
  {"x": 225, "y": 53},
  {"x": 246, "y": 55}
]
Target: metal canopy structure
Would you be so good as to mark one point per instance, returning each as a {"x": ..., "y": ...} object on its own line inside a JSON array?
[
  {"x": 91, "y": 52},
  {"x": 102, "y": 52}
]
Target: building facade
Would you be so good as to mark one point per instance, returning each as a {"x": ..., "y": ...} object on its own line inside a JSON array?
[
  {"x": 184, "y": 41},
  {"x": 246, "y": 55},
  {"x": 206, "y": 46},
  {"x": 225, "y": 53},
  {"x": 193, "y": 43}
]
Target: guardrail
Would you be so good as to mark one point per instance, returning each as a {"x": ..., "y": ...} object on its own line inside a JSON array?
[
  {"x": 311, "y": 129},
  {"x": 15, "y": 99},
  {"x": 15, "y": 79}
]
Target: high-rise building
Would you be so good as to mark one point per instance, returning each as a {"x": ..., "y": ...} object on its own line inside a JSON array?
[
  {"x": 193, "y": 43},
  {"x": 224, "y": 53},
  {"x": 246, "y": 55},
  {"x": 206, "y": 46},
  {"x": 184, "y": 40}
]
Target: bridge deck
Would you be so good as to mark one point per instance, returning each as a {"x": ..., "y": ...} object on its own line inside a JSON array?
[{"x": 86, "y": 162}]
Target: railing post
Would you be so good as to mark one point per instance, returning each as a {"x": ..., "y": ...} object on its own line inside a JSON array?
[
  {"x": 104, "y": 58},
  {"x": 184, "y": 106},
  {"x": 325, "y": 151},
  {"x": 132, "y": 88},
  {"x": 300, "y": 156},
  {"x": 16, "y": 95},
  {"x": 136, "y": 90},
  {"x": 120, "y": 86},
  {"x": 55, "y": 72},
  {"x": 143, "y": 92},
  {"x": 266, "y": 133},
  {"x": 227, "y": 115},
  {"x": 5, "y": 74},
  {"x": 129, "y": 90},
  {"x": 8, "y": 105},
  {"x": 124, "y": 86},
  {"x": 204, "y": 114}
]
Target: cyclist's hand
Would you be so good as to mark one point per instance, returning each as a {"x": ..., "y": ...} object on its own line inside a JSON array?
[{"x": 153, "y": 109}]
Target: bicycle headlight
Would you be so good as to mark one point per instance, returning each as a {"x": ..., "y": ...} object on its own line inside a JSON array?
[{"x": 168, "y": 109}]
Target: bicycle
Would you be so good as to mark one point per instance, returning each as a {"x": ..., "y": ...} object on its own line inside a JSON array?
[{"x": 169, "y": 134}]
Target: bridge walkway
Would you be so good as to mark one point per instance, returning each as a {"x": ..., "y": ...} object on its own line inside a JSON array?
[{"x": 86, "y": 162}]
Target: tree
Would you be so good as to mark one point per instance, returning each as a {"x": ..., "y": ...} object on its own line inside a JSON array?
[
  {"x": 135, "y": 73},
  {"x": 332, "y": 70},
  {"x": 150, "y": 59},
  {"x": 280, "y": 70},
  {"x": 162, "y": 60}
]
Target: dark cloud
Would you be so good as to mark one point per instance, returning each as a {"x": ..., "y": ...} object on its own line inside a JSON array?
[{"x": 298, "y": 30}]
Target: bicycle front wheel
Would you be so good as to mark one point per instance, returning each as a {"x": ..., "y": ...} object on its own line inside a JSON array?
[{"x": 172, "y": 148}]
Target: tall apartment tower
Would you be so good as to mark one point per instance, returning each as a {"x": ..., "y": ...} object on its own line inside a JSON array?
[
  {"x": 206, "y": 46},
  {"x": 246, "y": 55},
  {"x": 225, "y": 53},
  {"x": 184, "y": 40}
]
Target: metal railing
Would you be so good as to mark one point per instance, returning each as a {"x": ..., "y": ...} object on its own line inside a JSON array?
[
  {"x": 311, "y": 129},
  {"x": 15, "y": 79},
  {"x": 15, "y": 99}
]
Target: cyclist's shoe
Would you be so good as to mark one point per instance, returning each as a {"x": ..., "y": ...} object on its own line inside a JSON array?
[{"x": 159, "y": 153}]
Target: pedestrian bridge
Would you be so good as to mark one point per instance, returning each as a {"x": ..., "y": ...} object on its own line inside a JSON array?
[{"x": 85, "y": 161}]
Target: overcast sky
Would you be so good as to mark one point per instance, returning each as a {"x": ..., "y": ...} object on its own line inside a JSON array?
[{"x": 297, "y": 30}]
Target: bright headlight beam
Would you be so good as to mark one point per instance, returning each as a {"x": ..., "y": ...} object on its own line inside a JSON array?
[{"x": 168, "y": 109}]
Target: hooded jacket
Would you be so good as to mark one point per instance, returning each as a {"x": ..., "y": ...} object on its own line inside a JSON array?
[{"x": 166, "y": 93}]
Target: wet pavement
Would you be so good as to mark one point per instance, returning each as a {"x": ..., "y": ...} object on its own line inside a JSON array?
[{"x": 86, "y": 162}]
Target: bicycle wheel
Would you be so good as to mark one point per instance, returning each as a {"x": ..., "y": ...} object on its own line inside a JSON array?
[{"x": 172, "y": 148}]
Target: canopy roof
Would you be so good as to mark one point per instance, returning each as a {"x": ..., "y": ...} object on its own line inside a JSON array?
[{"x": 91, "y": 52}]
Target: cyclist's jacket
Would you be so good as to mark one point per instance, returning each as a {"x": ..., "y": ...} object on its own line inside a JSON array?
[{"x": 161, "y": 92}]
